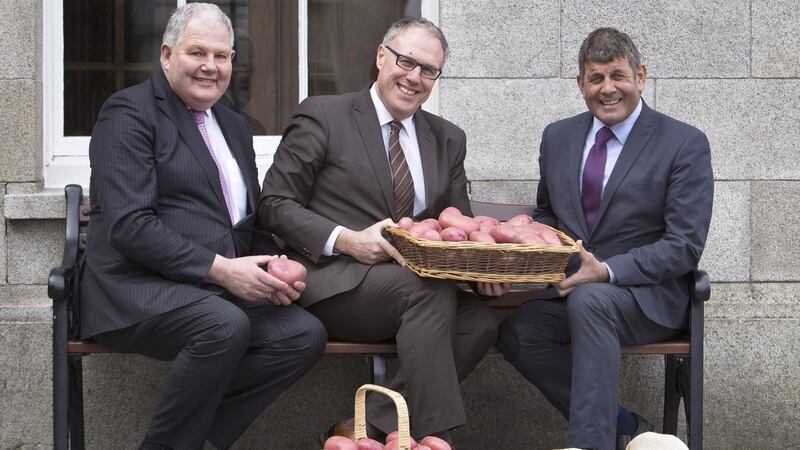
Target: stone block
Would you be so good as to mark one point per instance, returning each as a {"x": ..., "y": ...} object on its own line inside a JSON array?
[
  {"x": 501, "y": 191},
  {"x": 20, "y": 27},
  {"x": 3, "y": 238},
  {"x": 776, "y": 39},
  {"x": 727, "y": 253},
  {"x": 677, "y": 39},
  {"x": 22, "y": 188},
  {"x": 47, "y": 204},
  {"x": 526, "y": 45},
  {"x": 776, "y": 224},
  {"x": 20, "y": 129},
  {"x": 754, "y": 300},
  {"x": 25, "y": 385},
  {"x": 25, "y": 303},
  {"x": 752, "y": 384},
  {"x": 504, "y": 121},
  {"x": 751, "y": 124},
  {"x": 34, "y": 247}
]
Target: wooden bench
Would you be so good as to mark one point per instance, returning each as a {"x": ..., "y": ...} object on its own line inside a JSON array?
[{"x": 683, "y": 369}]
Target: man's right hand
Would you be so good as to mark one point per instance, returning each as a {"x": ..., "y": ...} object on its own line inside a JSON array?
[
  {"x": 246, "y": 278},
  {"x": 368, "y": 245}
]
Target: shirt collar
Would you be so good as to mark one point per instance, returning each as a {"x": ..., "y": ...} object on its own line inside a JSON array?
[
  {"x": 621, "y": 130},
  {"x": 384, "y": 116}
]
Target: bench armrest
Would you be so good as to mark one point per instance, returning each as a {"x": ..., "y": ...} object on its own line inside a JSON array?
[
  {"x": 700, "y": 287},
  {"x": 61, "y": 277}
]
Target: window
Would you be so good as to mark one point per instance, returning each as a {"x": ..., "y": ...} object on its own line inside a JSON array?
[{"x": 285, "y": 51}]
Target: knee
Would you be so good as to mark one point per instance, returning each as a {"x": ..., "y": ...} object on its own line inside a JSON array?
[
  {"x": 307, "y": 335},
  {"x": 227, "y": 332},
  {"x": 585, "y": 302},
  {"x": 508, "y": 338}
]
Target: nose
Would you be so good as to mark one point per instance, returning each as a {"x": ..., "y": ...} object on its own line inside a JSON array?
[
  {"x": 209, "y": 64},
  {"x": 608, "y": 86},
  {"x": 414, "y": 75}
]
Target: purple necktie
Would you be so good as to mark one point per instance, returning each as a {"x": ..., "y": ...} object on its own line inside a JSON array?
[
  {"x": 593, "y": 172},
  {"x": 200, "y": 120},
  {"x": 401, "y": 175}
]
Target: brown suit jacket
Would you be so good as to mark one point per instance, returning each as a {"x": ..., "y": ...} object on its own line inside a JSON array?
[{"x": 331, "y": 169}]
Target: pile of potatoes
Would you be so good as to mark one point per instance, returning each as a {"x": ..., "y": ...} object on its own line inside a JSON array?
[
  {"x": 456, "y": 227},
  {"x": 343, "y": 443}
]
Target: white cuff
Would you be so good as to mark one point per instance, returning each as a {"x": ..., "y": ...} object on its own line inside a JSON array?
[{"x": 327, "y": 250}]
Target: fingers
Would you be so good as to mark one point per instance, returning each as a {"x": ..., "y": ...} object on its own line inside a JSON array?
[{"x": 392, "y": 252}]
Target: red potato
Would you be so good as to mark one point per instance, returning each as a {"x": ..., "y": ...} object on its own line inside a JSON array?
[
  {"x": 431, "y": 235},
  {"x": 369, "y": 444},
  {"x": 405, "y": 223},
  {"x": 340, "y": 443},
  {"x": 419, "y": 228},
  {"x": 521, "y": 219},
  {"x": 528, "y": 237},
  {"x": 287, "y": 270},
  {"x": 424, "y": 447},
  {"x": 452, "y": 217},
  {"x": 486, "y": 220},
  {"x": 485, "y": 227},
  {"x": 434, "y": 443},
  {"x": 503, "y": 234},
  {"x": 433, "y": 223},
  {"x": 481, "y": 236},
  {"x": 453, "y": 234},
  {"x": 549, "y": 237}
]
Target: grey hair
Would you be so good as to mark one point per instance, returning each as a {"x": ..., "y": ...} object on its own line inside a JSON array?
[
  {"x": 177, "y": 22},
  {"x": 407, "y": 22},
  {"x": 604, "y": 45}
]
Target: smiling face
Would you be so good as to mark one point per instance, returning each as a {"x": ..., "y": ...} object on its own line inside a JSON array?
[
  {"x": 404, "y": 91},
  {"x": 612, "y": 90},
  {"x": 198, "y": 68}
]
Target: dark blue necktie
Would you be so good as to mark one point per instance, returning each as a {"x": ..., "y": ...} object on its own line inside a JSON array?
[{"x": 593, "y": 171}]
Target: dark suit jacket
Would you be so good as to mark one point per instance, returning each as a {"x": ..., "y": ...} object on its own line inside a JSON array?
[
  {"x": 655, "y": 211},
  {"x": 158, "y": 216},
  {"x": 331, "y": 169}
]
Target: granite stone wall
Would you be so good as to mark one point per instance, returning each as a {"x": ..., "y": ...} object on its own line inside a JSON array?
[{"x": 731, "y": 68}]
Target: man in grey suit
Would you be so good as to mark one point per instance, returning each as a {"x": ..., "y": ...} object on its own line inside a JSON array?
[
  {"x": 331, "y": 191},
  {"x": 168, "y": 271},
  {"x": 635, "y": 188}
]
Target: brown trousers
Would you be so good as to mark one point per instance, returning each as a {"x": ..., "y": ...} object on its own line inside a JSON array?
[{"x": 442, "y": 333}]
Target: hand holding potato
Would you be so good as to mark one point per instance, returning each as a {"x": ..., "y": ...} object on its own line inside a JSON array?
[
  {"x": 368, "y": 245},
  {"x": 245, "y": 278},
  {"x": 591, "y": 271}
]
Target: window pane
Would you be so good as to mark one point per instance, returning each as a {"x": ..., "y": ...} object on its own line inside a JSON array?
[
  {"x": 84, "y": 94},
  {"x": 264, "y": 85},
  {"x": 144, "y": 24},
  {"x": 343, "y": 36},
  {"x": 88, "y": 31}
]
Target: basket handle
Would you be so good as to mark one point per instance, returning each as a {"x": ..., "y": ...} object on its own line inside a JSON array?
[{"x": 360, "y": 418}]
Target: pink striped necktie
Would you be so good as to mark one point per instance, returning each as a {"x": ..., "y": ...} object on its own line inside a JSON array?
[
  {"x": 401, "y": 175},
  {"x": 200, "y": 120},
  {"x": 593, "y": 173}
]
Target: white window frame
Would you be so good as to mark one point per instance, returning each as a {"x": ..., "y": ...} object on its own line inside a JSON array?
[{"x": 66, "y": 158}]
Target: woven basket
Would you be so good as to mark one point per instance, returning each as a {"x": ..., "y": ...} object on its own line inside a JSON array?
[
  {"x": 360, "y": 419},
  {"x": 477, "y": 261}
]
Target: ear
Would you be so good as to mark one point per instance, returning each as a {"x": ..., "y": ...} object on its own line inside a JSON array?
[
  {"x": 380, "y": 57},
  {"x": 641, "y": 77},
  {"x": 166, "y": 52},
  {"x": 579, "y": 79}
]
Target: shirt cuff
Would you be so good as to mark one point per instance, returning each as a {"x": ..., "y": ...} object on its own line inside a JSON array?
[
  {"x": 327, "y": 250},
  {"x": 611, "y": 278}
]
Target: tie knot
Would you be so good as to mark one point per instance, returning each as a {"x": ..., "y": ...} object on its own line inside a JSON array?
[
  {"x": 603, "y": 135},
  {"x": 199, "y": 116},
  {"x": 396, "y": 126}
]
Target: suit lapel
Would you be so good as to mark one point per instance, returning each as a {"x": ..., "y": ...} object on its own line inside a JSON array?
[
  {"x": 240, "y": 154},
  {"x": 574, "y": 147},
  {"x": 427, "y": 152},
  {"x": 368, "y": 127},
  {"x": 177, "y": 111},
  {"x": 640, "y": 135}
]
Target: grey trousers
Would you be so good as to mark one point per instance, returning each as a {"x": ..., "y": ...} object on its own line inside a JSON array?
[
  {"x": 582, "y": 383},
  {"x": 441, "y": 336},
  {"x": 230, "y": 359}
]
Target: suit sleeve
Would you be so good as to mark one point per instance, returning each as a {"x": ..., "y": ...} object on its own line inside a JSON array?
[
  {"x": 543, "y": 212},
  {"x": 687, "y": 216},
  {"x": 124, "y": 181},
  {"x": 458, "y": 176},
  {"x": 289, "y": 183}
]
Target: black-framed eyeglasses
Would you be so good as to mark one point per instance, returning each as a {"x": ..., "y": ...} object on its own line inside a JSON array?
[{"x": 409, "y": 63}]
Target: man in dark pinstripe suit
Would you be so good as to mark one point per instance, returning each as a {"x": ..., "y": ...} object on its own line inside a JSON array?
[{"x": 169, "y": 271}]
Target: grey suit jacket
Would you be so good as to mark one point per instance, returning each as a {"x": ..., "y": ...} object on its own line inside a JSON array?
[
  {"x": 655, "y": 211},
  {"x": 158, "y": 216},
  {"x": 331, "y": 169}
]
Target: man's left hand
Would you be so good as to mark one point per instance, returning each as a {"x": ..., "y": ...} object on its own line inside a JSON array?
[
  {"x": 591, "y": 271},
  {"x": 493, "y": 289}
]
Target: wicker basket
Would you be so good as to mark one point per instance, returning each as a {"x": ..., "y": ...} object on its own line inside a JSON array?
[
  {"x": 360, "y": 418},
  {"x": 476, "y": 261}
]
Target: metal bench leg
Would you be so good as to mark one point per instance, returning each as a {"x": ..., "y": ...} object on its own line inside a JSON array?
[
  {"x": 694, "y": 406},
  {"x": 672, "y": 393},
  {"x": 76, "y": 402},
  {"x": 378, "y": 365}
]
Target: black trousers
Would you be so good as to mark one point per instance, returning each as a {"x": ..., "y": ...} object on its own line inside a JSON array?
[
  {"x": 441, "y": 337},
  {"x": 230, "y": 359},
  {"x": 582, "y": 383}
]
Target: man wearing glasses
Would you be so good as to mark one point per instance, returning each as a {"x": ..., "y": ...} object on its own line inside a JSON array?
[{"x": 348, "y": 167}]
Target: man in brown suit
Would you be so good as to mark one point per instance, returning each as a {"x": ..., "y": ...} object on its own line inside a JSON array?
[{"x": 330, "y": 193}]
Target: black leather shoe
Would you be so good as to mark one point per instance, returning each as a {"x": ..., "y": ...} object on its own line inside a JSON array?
[{"x": 643, "y": 426}]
